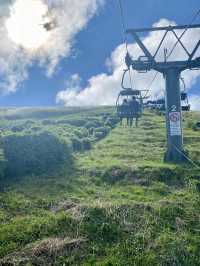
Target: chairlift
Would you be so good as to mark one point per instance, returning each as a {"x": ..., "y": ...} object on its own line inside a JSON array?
[
  {"x": 156, "y": 104},
  {"x": 126, "y": 94},
  {"x": 184, "y": 98},
  {"x": 126, "y": 111}
]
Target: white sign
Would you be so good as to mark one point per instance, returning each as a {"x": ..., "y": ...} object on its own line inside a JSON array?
[{"x": 175, "y": 123}]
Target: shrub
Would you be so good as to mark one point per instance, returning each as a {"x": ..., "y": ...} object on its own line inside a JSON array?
[
  {"x": 86, "y": 144},
  {"x": 98, "y": 135},
  {"x": 48, "y": 122},
  {"x": 81, "y": 133},
  {"x": 93, "y": 124},
  {"x": 34, "y": 154},
  {"x": 36, "y": 129},
  {"x": 101, "y": 132},
  {"x": 76, "y": 144},
  {"x": 91, "y": 130},
  {"x": 105, "y": 130},
  {"x": 17, "y": 128},
  {"x": 84, "y": 132},
  {"x": 77, "y": 122},
  {"x": 112, "y": 121}
]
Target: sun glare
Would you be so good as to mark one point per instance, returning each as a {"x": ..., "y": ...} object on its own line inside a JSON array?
[{"x": 25, "y": 24}]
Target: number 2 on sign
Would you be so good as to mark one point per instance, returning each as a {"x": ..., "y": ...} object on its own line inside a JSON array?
[{"x": 173, "y": 108}]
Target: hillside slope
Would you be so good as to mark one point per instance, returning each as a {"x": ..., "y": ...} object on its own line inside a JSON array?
[{"x": 117, "y": 204}]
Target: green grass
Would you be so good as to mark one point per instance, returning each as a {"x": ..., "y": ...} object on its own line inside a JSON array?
[{"x": 130, "y": 207}]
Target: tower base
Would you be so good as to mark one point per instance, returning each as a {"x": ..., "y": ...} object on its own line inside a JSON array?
[{"x": 173, "y": 156}]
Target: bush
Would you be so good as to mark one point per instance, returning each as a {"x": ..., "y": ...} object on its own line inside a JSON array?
[
  {"x": 36, "y": 129},
  {"x": 48, "y": 122},
  {"x": 34, "y": 154},
  {"x": 84, "y": 132},
  {"x": 17, "y": 128},
  {"x": 77, "y": 122},
  {"x": 112, "y": 121},
  {"x": 101, "y": 132},
  {"x": 76, "y": 144},
  {"x": 98, "y": 135},
  {"x": 81, "y": 133},
  {"x": 91, "y": 130},
  {"x": 105, "y": 130},
  {"x": 86, "y": 144},
  {"x": 93, "y": 124}
]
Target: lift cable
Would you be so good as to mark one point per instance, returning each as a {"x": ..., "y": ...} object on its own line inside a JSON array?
[
  {"x": 124, "y": 38},
  {"x": 187, "y": 158},
  {"x": 183, "y": 33}
]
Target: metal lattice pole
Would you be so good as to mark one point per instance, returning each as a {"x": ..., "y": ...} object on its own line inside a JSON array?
[{"x": 171, "y": 71}]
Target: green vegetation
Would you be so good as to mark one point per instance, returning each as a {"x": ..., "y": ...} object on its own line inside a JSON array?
[
  {"x": 34, "y": 154},
  {"x": 79, "y": 189}
]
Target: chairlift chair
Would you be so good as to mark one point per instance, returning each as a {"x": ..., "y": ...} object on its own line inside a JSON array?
[
  {"x": 126, "y": 111},
  {"x": 128, "y": 93},
  {"x": 184, "y": 98}
]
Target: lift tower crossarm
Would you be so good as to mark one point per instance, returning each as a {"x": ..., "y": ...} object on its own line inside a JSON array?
[
  {"x": 168, "y": 28},
  {"x": 194, "y": 51},
  {"x": 143, "y": 47},
  {"x": 163, "y": 66},
  {"x": 171, "y": 71}
]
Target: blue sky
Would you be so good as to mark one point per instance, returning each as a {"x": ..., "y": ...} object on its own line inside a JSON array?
[{"x": 93, "y": 44}]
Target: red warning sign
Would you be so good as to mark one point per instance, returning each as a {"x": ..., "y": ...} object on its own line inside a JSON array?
[
  {"x": 175, "y": 123},
  {"x": 174, "y": 117}
]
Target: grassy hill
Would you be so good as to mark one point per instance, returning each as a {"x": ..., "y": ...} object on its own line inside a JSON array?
[{"x": 107, "y": 198}]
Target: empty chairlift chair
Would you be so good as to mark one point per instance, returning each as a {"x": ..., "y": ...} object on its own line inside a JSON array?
[{"x": 184, "y": 98}]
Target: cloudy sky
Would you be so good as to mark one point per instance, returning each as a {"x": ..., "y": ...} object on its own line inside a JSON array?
[{"x": 79, "y": 60}]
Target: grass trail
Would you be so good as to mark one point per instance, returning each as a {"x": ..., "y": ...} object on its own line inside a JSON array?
[{"x": 130, "y": 207}]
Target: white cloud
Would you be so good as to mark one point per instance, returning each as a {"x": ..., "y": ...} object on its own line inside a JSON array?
[
  {"x": 195, "y": 102},
  {"x": 18, "y": 53},
  {"x": 103, "y": 89}
]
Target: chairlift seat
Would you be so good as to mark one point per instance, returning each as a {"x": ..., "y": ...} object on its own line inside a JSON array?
[
  {"x": 129, "y": 92},
  {"x": 186, "y": 108}
]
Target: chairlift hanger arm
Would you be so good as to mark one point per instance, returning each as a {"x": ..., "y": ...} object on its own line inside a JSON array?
[
  {"x": 123, "y": 77},
  {"x": 143, "y": 47}
]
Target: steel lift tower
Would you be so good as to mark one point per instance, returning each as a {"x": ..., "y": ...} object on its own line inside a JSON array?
[{"x": 171, "y": 71}]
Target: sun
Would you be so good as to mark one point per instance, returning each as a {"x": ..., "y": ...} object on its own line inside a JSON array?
[{"x": 25, "y": 24}]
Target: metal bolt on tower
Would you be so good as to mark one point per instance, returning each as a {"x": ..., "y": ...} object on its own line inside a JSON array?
[{"x": 171, "y": 71}]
